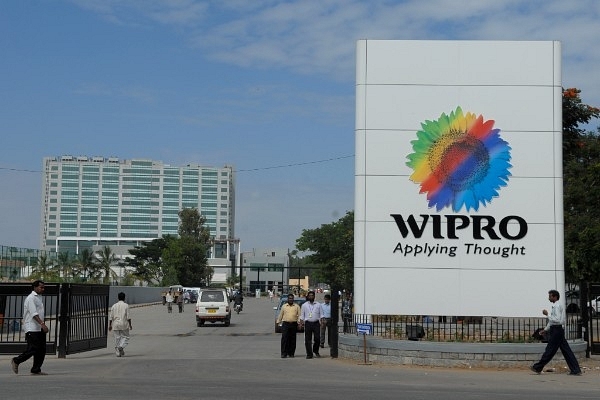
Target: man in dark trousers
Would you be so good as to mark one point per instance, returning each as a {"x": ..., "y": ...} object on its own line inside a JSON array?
[
  {"x": 36, "y": 330},
  {"x": 288, "y": 319},
  {"x": 310, "y": 318},
  {"x": 326, "y": 321},
  {"x": 555, "y": 333}
]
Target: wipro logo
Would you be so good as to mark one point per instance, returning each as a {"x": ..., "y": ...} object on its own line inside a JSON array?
[{"x": 459, "y": 160}]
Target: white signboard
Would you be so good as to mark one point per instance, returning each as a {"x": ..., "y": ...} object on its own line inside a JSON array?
[{"x": 458, "y": 207}]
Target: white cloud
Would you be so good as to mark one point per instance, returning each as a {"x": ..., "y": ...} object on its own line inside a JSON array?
[{"x": 316, "y": 36}]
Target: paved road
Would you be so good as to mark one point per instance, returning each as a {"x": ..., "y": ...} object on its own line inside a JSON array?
[{"x": 170, "y": 358}]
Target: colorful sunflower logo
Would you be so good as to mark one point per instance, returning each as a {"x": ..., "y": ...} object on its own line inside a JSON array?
[{"x": 459, "y": 160}]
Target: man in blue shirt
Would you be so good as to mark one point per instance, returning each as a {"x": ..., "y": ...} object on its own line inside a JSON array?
[{"x": 326, "y": 323}]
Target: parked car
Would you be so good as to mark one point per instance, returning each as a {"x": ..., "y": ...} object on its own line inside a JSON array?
[
  {"x": 192, "y": 294},
  {"x": 213, "y": 306},
  {"x": 282, "y": 301}
]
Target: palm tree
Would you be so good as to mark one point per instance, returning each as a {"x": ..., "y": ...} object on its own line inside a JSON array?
[
  {"x": 65, "y": 265},
  {"x": 42, "y": 268},
  {"x": 84, "y": 264},
  {"x": 105, "y": 259}
]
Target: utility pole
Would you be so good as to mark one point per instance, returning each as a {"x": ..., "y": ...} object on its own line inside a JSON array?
[{"x": 335, "y": 318}]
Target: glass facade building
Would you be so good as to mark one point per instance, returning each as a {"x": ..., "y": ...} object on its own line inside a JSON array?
[{"x": 97, "y": 201}]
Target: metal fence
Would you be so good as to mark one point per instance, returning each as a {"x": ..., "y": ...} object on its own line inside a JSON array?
[
  {"x": 76, "y": 316},
  {"x": 459, "y": 329},
  {"x": 12, "y": 335}
]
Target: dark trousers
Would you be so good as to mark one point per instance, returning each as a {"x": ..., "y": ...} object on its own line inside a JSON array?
[
  {"x": 347, "y": 322},
  {"x": 288, "y": 338},
  {"x": 312, "y": 329},
  {"x": 556, "y": 340},
  {"x": 36, "y": 347},
  {"x": 326, "y": 331}
]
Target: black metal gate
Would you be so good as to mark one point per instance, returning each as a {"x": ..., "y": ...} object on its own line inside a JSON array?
[
  {"x": 83, "y": 322},
  {"x": 76, "y": 316},
  {"x": 592, "y": 306},
  {"x": 12, "y": 297}
]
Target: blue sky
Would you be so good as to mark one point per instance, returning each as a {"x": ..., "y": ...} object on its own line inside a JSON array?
[{"x": 264, "y": 85}]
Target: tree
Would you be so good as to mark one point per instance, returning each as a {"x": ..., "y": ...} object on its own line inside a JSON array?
[
  {"x": 187, "y": 256},
  {"x": 582, "y": 215},
  {"x": 581, "y": 164},
  {"x": 42, "y": 268},
  {"x": 83, "y": 266},
  {"x": 65, "y": 265},
  {"x": 106, "y": 258},
  {"x": 332, "y": 247},
  {"x": 146, "y": 262},
  {"x": 574, "y": 114}
]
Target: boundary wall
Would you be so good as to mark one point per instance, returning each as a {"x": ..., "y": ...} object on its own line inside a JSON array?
[
  {"x": 450, "y": 354},
  {"x": 136, "y": 294}
]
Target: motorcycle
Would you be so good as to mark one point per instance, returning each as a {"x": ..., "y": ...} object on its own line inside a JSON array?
[{"x": 238, "y": 307}]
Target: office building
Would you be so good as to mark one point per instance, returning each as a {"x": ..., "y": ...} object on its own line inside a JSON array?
[
  {"x": 266, "y": 269},
  {"x": 90, "y": 202}
]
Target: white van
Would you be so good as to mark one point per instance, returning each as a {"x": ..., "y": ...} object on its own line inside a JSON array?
[{"x": 213, "y": 306}]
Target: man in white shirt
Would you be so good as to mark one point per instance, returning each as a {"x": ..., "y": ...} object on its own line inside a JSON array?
[
  {"x": 120, "y": 323},
  {"x": 555, "y": 334},
  {"x": 36, "y": 330},
  {"x": 310, "y": 318}
]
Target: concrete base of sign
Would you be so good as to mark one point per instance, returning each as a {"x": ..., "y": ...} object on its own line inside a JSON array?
[{"x": 450, "y": 354}]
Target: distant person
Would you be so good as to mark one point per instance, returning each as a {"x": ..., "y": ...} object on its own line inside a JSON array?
[
  {"x": 310, "y": 318},
  {"x": 271, "y": 295},
  {"x": 288, "y": 318},
  {"x": 555, "y": 334},
  {"x": 238, "y": 298},
  {"x": 347, "y": 312},
  {"x": 180, "y": 302},
  {"x": 169, "y": 300},
  {"x": 36, "y": 330},
  {"x": 326, "y": 321},
  {"x": 119, "y": 323}
]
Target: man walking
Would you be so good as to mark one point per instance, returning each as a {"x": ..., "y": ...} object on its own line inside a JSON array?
[
  {"x": 555, "y": 334},
  {"x": 310, "y": 317},
  {"x": 169, "y": 301},
  {"x": 36, "y": 330},
  {"x": 288, "y": 318},
  {"x": 180, "y": 301},
  {"x": 120, "y": 323},
  {"x": 326, "y": 324}
]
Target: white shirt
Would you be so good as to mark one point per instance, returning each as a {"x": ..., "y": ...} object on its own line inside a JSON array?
[
  {"x": 310, "y": 311},
  {"x": 119, "y": 315},
  {"x": 556, "y": 316},
  {"x": 33, "y": 305}
]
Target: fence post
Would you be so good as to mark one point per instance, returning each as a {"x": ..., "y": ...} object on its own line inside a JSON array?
[
  {"x": 335, "y": 318},
  {"x": 63, "y": 319}
]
